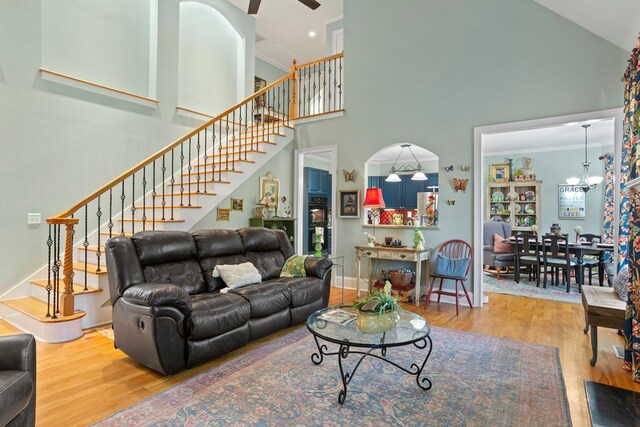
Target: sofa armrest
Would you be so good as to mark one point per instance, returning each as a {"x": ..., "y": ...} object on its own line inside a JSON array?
[
  {"x": 18, "y": 353},
  {"x": 159, "y": 294},
  {"x": 317, "y": 267}
]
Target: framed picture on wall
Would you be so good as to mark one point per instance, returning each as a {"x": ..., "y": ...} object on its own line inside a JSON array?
[
  {"x": 269, "y": 191},
  {"x": 499, "y": 172},
  {"x": 237, "y": 204},
  {"x": 223, "y": 214},
  {"x": 349, "y": 204},
  {"x": 260, "y": 83},
  {"x": 571, "y": 202}
]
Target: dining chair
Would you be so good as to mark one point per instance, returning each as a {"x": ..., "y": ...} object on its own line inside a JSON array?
[
  {"x": 453, "y": 262},
  {"x": 527, "y": 254},
  {"x": 590, "y": 262},
  {"x": 555, "y": 254}
]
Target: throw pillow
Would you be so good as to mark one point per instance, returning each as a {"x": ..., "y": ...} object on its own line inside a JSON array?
[
  {"x": 621, "y": 283},
  {"x": 499, "y": 247},
  {"x": 451, "y": 267},
  {"x": 237, "y": 275},
  {"x": 294, "y": 266}
]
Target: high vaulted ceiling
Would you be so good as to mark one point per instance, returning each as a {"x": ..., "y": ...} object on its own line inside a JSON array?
[{"x": 282, "y": 26}]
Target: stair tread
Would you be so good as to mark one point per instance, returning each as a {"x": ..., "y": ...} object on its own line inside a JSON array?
[
  {"x": 91, "y": 248},
  {"x": 212, "y": 172},
  {"x": 233, "y": 153},
  {"x": 194, "y": 182},
  {"x": 151, "y": 220},
  {"x": 258, "y": 135},
  {"x": 77, "y": 288},
  {"x": 91, "y": 268},
  {"x": 171, "y": 206},
  {"x": 37, "y": 309},
  {"x": 224, "y": 162},
  {"x": 116, "y": 233},
  {"x": 178, "y": 194},
  {"x": 248, "y": 144}
]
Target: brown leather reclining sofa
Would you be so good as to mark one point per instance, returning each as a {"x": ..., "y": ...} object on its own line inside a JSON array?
[{"x": 168, "y": 311}]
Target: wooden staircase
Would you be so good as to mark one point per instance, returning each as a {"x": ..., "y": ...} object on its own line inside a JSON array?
[
  {"x": 172, "y": 189},
  {"x": 26, "y": 305}
]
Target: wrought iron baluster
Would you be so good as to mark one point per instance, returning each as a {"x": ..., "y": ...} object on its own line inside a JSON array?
[
  {"x": 49, "y": 267},
  {"x": 273, "y": 113},
  {"x": 206, "y": 164},
  {"x": 189, "y": 174},
  {"x": 198, "y": 163},
  {"x": 300, "y": 79},
  {"x": 172, "y": 181},
  {"x": 85, "y": 244},
  {"x": 56, "y": 270},
  {"x": 288, "y": 102},
  {"x": 99, "y": 251},
  {"x": 122, "y": 199},
  {"x": 181, "y": 173},
  {"x": 324, "y": 86},
  {"x": 335, "y": 83},
  {"x": 239, "y": 153},
  {"x": 246, "y": 128},
  {"x": 220, "y": 151},
  {"x": 330, "y": 94},
  {"x": 153, "y": 196},
  {"x": 213, "y": 152},
  {"x": 133, "y": 203},
  {"x": 59, "y": 264},
  {"x": 314, "y": 96},
  {"x": 144, "y": 198},
  {"x": 233, "y": 157},
  {"x": 110, "y": 223},
  {"x": 254, "y": 128},
  {"x": 340, "y": 86},
  {"x": 227, "y": 138},
  {"x": 163, "y": 169},
  {"x": 278, "y": 109}
]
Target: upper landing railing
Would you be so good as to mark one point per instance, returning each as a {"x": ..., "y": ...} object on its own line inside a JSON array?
[{"x": 151, "y": 191}]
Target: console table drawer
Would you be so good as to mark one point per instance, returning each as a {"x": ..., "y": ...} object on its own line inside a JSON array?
[
  {"x": 404, "y": 256},
  {"x": 367, "y": 253}
]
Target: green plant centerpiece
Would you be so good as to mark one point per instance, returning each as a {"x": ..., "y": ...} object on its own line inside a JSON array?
[{"x": 378, "y": 311}]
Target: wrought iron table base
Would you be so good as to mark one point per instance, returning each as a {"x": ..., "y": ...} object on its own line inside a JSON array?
[{"x": 345, "y": 351}]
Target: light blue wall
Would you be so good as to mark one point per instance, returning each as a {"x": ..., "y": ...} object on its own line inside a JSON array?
[
  {"x": 553, "y": 168},
  {"x": 267, "y": 71},
  {"x": 441, "y": 68},
  {"x": 60, "y": 143},
  {"x": 331, "y": 27}
]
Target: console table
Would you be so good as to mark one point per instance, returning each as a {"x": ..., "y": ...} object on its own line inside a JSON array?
[{"x": 396, "y": 254}]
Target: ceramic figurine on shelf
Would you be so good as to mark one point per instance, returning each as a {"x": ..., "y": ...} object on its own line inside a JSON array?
[
  {"x": 418, "y": 239},
  {"x": 371, "y": 239}
]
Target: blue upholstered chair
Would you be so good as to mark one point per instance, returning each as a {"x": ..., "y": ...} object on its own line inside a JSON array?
[{"x": 491, "y": 259}]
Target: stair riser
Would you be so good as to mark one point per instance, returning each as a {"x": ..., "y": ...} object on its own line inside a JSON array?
[
  {"x": 47, "y": 332},
  {"x": 97, "y": 281}
]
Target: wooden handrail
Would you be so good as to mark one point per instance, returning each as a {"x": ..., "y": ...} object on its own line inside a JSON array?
[
  {"x": 165, "y": 150},
  {"x": 328, "y": 58},
  {"x": 87, "y": 82}
]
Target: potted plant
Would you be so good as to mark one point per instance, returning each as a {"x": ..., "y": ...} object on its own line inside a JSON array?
[{"x": 378, "y": 311}]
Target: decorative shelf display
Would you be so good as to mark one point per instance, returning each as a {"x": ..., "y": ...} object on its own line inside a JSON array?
[
  {"x": 286, "y": 224},
  {"x": 517, "y": 202}
]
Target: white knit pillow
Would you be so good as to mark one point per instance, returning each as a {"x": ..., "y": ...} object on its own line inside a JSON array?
[{"x": 237, "y": 275}]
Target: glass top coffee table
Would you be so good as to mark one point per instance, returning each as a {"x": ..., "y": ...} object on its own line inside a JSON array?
[{"x": 411, "y": 329}]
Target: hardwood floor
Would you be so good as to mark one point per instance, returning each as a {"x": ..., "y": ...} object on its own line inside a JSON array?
[{"x": 86, "y": 380}]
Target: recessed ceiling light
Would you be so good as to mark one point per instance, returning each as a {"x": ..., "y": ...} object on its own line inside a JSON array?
[{"x": 312, "y": 33}]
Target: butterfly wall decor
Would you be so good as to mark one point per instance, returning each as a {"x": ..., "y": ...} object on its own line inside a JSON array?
[
  {"x": 465, "y": 168},
  {"x": 349, "y": 176},
  {"x": 460, "y": 184},
  {"x": 451, "y": 202},
  {"x": 449, "y": 168}
]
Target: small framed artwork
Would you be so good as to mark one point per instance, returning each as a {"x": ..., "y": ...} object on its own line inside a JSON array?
[
  {"x": 237, "y": 204},
  {"x": 499, "y": 172},
  {"x": 269, "y": 191},
  {"x": 260, "y": 83},
  {"x": 223, "y": 214},
  {"x": 349, "y": 204}
]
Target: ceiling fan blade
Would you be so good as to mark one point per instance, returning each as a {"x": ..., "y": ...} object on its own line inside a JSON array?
[
  {"x": 313, "y": 4},
  {"x": 254, "y": 5}
]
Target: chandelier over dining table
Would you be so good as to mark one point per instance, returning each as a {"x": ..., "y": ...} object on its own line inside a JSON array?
[{"x": 587, "y": 182}]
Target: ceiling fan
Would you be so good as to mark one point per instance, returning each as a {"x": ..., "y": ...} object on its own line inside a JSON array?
[{"x": 254, "y": 5}]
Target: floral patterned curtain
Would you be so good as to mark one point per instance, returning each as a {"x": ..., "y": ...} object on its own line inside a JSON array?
[
  {"x": 609, "y": 179},
  {"x": 630, "y": 216}
]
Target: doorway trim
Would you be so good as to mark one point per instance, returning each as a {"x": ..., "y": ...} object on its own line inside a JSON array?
[
  {"x": 478, "y": 168},
  {"x": 332, "y": 150}
]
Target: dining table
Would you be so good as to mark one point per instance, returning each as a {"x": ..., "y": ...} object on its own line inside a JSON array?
[{"x": 579, "y": 249}]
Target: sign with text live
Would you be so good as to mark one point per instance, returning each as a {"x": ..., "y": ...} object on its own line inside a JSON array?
[{"x": 571, "y": 202}]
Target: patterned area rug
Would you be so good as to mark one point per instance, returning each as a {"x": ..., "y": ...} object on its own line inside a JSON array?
[
  {"x": 478, "y": 380},
  {"x": 506, "y": 285}
]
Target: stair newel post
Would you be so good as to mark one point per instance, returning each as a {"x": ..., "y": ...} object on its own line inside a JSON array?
[
  {"x": 294, "y": 93},
  {"x": 67, "y": 302}
]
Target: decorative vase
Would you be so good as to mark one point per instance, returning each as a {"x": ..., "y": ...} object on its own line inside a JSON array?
[{"x": 374, "y": 323}]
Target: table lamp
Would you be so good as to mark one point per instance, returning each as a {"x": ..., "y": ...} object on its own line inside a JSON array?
[{"x": 373, "y": 200}]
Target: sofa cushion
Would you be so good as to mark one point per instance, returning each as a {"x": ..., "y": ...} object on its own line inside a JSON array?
[
  {"x": 266, "y": 249},
  {"x": 499, "y": 247},
  {"x": 215, "y": 314},
  {"x": 265, "y": 298},
  {"x": 158, "y": 247},
  {"x": 16, "y": 388},
  {"x": 216, "y": 243},
  {"x": 268, "y": 263},
  {"x": 303, "y": 290},
  {"x": 294, "y": 266},
  {"x": 209, "y": 264},
  {"x": 237, "y": 275},
  {"x": 186, "y": 273}
]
